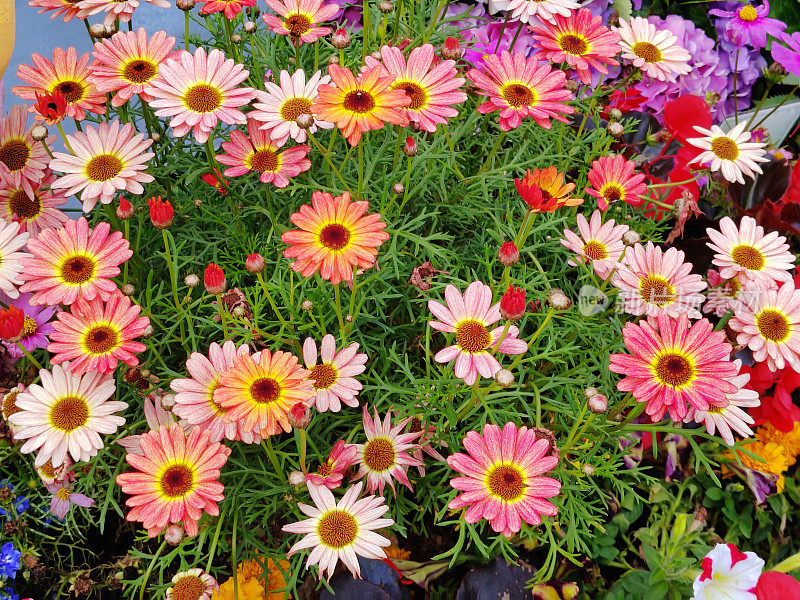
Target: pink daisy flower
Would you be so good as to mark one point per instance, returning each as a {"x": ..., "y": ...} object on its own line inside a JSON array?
[
  {"x": 432, "y": 86},
  {"x": 469, "y": 318},
  {"x": 114, "y": 9},
  {"x": 723, "y": 294},
  {"x": 194, "y": 396},
  {"x": 68, "y": 8},
  {"x": 728, "y": 573},
  {"x": 278, "y": 108},
  {"x": 96, "y": 335},
  {"x": 385, "y": 455},
  {"x": 106, "y": 159},
  {"x": 596, "y": 243},
  {"x": 74, "y": 262},
  {"x": 331, "y": 472},
  {"x": 66, "y": 74},
  {"x": 749, "y": 254},
  {"x": 258, "y": 152},
  {"x": 198, "y": 91},
  {"x": 502, "y": 478},
  {"x": 521, "y": 87},
  {"x": 12, "y": 259},
  {"x": 231, "y": 8},
  {"x": 654, "y": 51},
  {"x": 613, "y": 178},
  {"x": 675, "y": 363},
  {"x": 23, "y": 161},
  {"x": 544, "y": 10},
  {"x": 155, "y": 415},
  {"x": 63, "y": 499},
  {"x": 580, "y": 40},
  {"x": 730, "y": 418},
  {"x": 654, "y": 282},
  {"x": 769, "y": 324},
  {"x": 34, "y": 212},
  {"x": 334, "y": 377},
  {"x": 128, "y": 62},
  {"x": 300, "y": 19}
]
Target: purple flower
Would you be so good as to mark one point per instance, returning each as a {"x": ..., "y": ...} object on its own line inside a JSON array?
[
  {"x": 761, "y": 484},
  {"x": 747, "y": 24},
  {"x": 37, "y": 325},
  {"x": 63, "y": 499},
  {"x": 788, "y": 58}
]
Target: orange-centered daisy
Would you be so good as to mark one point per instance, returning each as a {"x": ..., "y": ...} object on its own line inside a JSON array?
[
  {"x": 300, "y": 19},
  {"x": 359, "y": 104},
  {"x": 260, "y": 390},
  {"x": 335, "y": 235}
]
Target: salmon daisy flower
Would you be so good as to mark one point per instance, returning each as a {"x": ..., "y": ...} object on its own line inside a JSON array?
[
  {"x": 469, "y": 318},
  {"x": 96, "y": 335},
  {"x": 545, "y": 191},
  {"x": 155, "y": 416},
  {"x": 258, "y": 152},
  {"x": 360, "y": 104},
  {"x": 655, "y": 53},
  {"x": 730, "y": 418},
  {"x": 278, "y": 107},
  {"x": 733, "y": 153},
  {"x": 175, "y": 481},
  {"x": 34, "y": 212},
  {"x": 66, "y": 413},
  {"x": 300, "y": 19},
  {"x": 127, "y": 62},
  {"x": 121, "y": 10},
  {"x": 385, "y": 456},
  {"x": 769, "y": 324},
  {"x": 23, "y": 161},
  {"x": 193, "y": 584},
  {"x": 502, "y": 478},
  {"x": 74, "y": 262},
  {"x": 259, "y": 390},
  {"x": 67, "y": 9},
  {"x": 334, "y": 377},
  {"x": 432, "y": 87},
  {"x": 194, "y": 396},
  {"x": 12, "y": 260},
  {"x": 596, "y": 243},
  {"x": 107, "y": 159},
  {"x": 748, "y": 254},
  {"x": 331, "y": 472},
  {"x": 674, "y": 363},
  {"x": 654, "y": 282},
  {"x": 230, "y": 8},
  {"x": 341, "y": 530},
  {"x": 334, "y": 237},
  {"x": 545, "y": 10},
  {"x": 723, "y": 294},
  {"x": 521, "y": 87},
  {"x": 66, "y": 74},
  {"x": 580, "y": 40},
  {"x": 613, "y": 178},
  {"x": 196, "y": 91}
]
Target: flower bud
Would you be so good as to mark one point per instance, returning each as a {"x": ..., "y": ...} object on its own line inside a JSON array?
[
  {"x": 775, "y": 73},
  {"x": 508, "y": 254},
  {"x": 12, "y": 324},
  {"x": 296, "y": 478},
  {"x": 512, "y": 304},
  {"x": 590, "y": 391},
  {"x": 249, "y": 26},
  {"x": 616, "y": 129},
  {"x": 128, "y": 289},
  {"x": 385, "y": 7},
  {"x": 307, "y": 305},
  {"x": 124, "y": 209},
  {"x": 451, "y": 49},
  {"x": 504, "y": 378},
  {"x": 631, "y": 238},
  {"x": 615, "y": 113},
  {"x": 398, "y": 188},
  {"x": 168, "y": 401},
  {"x": 598, "y": 403},
  {"x": 214, "y": 279},
  {"x": 39, "y": 133},
  {"x": 588, "y": 469},
  {"x": 712, "y": 98},
  {"x": 558, "y": 299},
  {"x": 191, "y": 280},
  {"x": 410, "y": 148},
  {"x": 340, "y": 39},
  {"x": 238, "y": 311},
  {"x": 348, "y": 318},
  {"x": 304, "y": 121},
  {"x": 333, "y": 59},
  {"x": 255, "y": 263},
  {"x": 111, "y": 30},
  {"x": 148, "y": 331},
  {"x": 300, "y": 415},
  {"x": 236, "y": 38},
  {"x": 571, "y": 85},
  {"x": 161, "y": 213},
  {"x": 185, "y": 5},
  {"x": 174, "y": 534},
  {"x": 97, "y": 31}
]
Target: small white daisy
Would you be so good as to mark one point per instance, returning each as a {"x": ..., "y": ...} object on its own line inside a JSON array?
[
  {"x": 654, "y": 52},
  {"x": 732, "y": 153}
]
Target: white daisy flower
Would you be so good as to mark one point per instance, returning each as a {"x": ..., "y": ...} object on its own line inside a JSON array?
[
  {"x": 11, "y": 240},
  {"x": 523, "y": 10},
  {"x": 654, "y": 52},
  {"x": 334, "y": 377},
  {"x": 731, "y": 153}
]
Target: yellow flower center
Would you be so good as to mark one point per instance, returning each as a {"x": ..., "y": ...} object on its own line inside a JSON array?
[
  {"x": 656, "y": 290},
  {"x": 573, "y": 44},
  {"x": 359, "y": 101},
  {"x": 30, "y": 327},
  {"x": 334, "y": 236},
  {"x": 188, "y": 587},
  {"x": 674, "y": 369},
  {"x": 63, "y": 494},
  {"x": 69, "y": 413},
  {"x": 202, "y": 98},
  {"x": 101, "y": 339},
  {"x": 15, "y": 153},
  {"x": 612, "y": 192},
  {"x": 265, "y": 390},
  {"x": 264, "y": 161},
  {"x": 298, "y": 24},
  {"x": 73, "y": 91},
  {"x": 472, "y": 336},
  {"x": 379, "y": 454},
  {"x": 418, "y": 96},
  {"x": 647, "y": 51},
  {"x": 177, "y": 481},
  {"x": 77, "y": 269},
  {"x": 337, "y": 529},
  {"x": 725, "y": 148},
  {"x": 594, "y": 250},
  {"x": 517, "y": 94},
  {"x": 103, "y": 167},
  {"x": 10, "y": 404},
  {"x": 748, "y": 13},
  {"x": 748, "y": 257},
  {"x": 323, "y": 376},
  {"x": 773, "y": 325},
  {"x": 48, "y": 470},
  {"x": 294, "y": 107},
  {"x": 140, "y": 71},
  {"x": 731, "y": 288},
  {"x": 506, "y": 482},
  {"x": 23, "y": 207}
]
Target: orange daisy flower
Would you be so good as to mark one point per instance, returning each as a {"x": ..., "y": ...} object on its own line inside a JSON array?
[
  {"x": 544, "y": 190},
  {"x": 260, "y": 390},
  {"x": 335, "y": 236},
  {"x": 358, "y": 104}
]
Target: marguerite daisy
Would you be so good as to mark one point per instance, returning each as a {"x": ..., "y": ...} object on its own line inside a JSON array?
[
  {"x": 34, "y": 212},
  {"x": 193, "y": 584},
  {"x": 334, "y": 377},
  {"x": 654, "y": 52},
  {"x": 545, "y": 10},
  {"x": 23, "y": 161},
  {"x": 732, "y": 153},
  {"x": 613, "y": 178},
  {"x": 300, "y": 19},
  {"x": 596, "y": 243},
  {"x": 11, "y": 259}
]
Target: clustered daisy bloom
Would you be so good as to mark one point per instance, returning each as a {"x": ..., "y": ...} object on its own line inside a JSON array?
[{"x": 333, "y": 378}]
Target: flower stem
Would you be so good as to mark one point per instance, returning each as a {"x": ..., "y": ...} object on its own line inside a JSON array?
[
  {"x": 735, "y": 96},
  {"x": 337, "y": 304},
  {"x": 539, "y": 331},
  {"x": 64, "y": 137},
  {"x": 267, "y": 445},
  {"x": 324, "y": 153},
  {"x": 150, "y": 569},
  {"x": 367, "y": 27},
  {"x": 223, "y": 320},
  {"x": 360, "y": 170},
  {"x": 173, "y": 276},
  {"x": 186, "y": 30},
  {"x": 29, "y": 356},
  {"x": 492, "y": 152},
  {"x": 782, "y": 102}
]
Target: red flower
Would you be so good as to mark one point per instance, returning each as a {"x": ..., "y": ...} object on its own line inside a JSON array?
[
  {"x": 410, "y": 148},
  {"x": 451, "y": 50},
  {"x": 161, "y": 212},
  {"x": 125, "y": 209},
  {"x": 777, "y": 586},
  {"x": 12, "y": 324},
  {"x": 777, "y": 408},
  {"x": 512, "y": 304},
  {"x": 52, "y": 106},
  {"x": 683, "y": 113},
  {"x": 626, "y": 101},
  {"x": 216, "y": 181},
  {"x": 214, "y": 279},
  {"x": 508, "y": 255}
]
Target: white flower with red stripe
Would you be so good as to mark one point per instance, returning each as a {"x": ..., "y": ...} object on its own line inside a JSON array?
[{"x": 728, "y": 574}]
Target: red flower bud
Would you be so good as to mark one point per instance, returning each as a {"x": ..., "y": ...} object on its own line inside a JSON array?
[
  {"x": 512, "y": 304},
  {"x": 340, "y": 39},
  {"x": 451, "y": 50},
  {"x": 255, "y": 263},
  {"x": 160, "y": 212},
  {"x": 12, "y": 324},
  {"x": 125, "y": 209},
  {"x": 410, "y": 149},
  {"x": 52, "y": 106},
  {"x": 300, "y": 415},
  {"x": 216, "y": 181},
  {"x": 214, "y": 279},
  {"x": 508, "y": 255}
]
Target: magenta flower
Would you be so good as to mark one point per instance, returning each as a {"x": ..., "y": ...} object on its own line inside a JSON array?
[
  {"x": 37, "y": 325},
  {"x": 789, "y": 57},
  {"x": 63, "y": 499},
  {"x": 749, "y": 24}
]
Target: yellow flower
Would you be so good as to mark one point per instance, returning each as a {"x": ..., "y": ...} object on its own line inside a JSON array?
[
  {"x": 250, "y": 582},
  {"x": 779, "y": 450}
]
